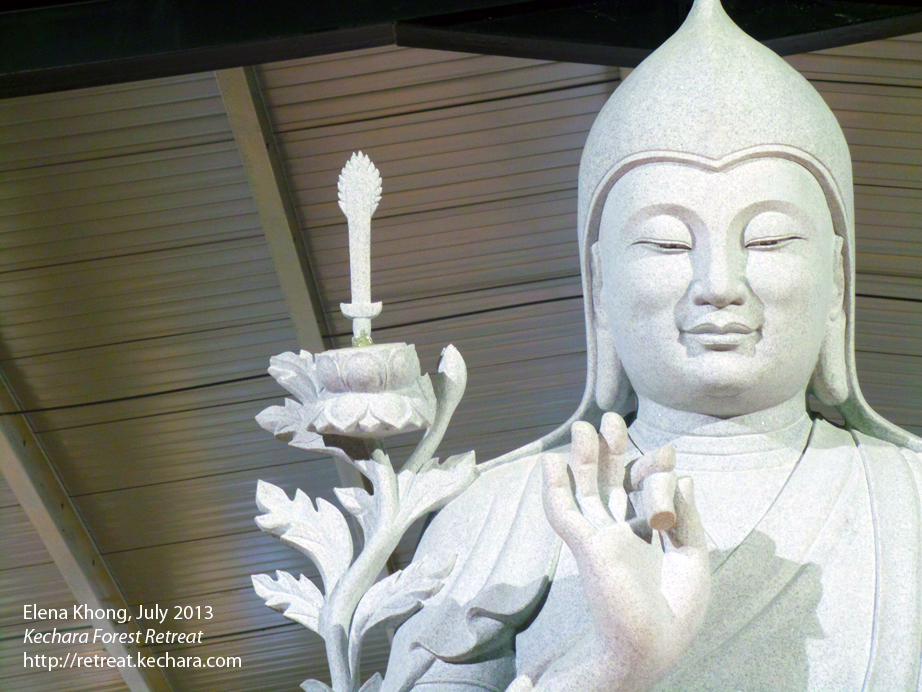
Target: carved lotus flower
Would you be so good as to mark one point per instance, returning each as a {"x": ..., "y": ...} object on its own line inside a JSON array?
[
  {"x": 385, "y": 367},
  {"x": 376, "y": 414},
  {"x": 371, "y": 391}
]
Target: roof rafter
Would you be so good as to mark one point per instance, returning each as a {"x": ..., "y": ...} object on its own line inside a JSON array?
[
  {"x": 39, "y": 490},
  {"x": 277, "y": 215},
  {"x": 256, "y": 142}
]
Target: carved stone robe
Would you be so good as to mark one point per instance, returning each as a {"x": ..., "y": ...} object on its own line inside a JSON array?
[{"x": 823, "y": 593}]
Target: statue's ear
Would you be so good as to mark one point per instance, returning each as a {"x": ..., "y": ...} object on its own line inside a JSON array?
[
  {"x": 612, "y": 389},
  {"x": 829, "y": 382},
  {"x": 838, "y": 273}
]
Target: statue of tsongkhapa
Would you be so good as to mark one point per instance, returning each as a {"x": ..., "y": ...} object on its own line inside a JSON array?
[{"x": 716, "y": 235}]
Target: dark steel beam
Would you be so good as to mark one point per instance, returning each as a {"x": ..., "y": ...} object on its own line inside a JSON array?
[
  {"x": 847, "y": 35},
  {"x": 625, "y": 38},
  {"x": 67, "y": 46},
  {"x": 624, "y": 32},
  {"x": 72, "y": 45},
  {"x": 67, "y": 75}
]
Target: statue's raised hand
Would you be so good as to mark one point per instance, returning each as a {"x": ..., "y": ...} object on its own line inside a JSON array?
[{"x": 647, "y": 598}]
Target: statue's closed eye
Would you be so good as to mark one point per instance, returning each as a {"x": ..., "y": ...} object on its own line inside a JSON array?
[
  {"x": 772, "y": 229},
  {"x": 663, "y": 233}
]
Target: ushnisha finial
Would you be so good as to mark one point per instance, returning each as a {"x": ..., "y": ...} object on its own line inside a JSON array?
[
  {"x": 359, "y": 193},
  {"x": 706, "y": 8}
]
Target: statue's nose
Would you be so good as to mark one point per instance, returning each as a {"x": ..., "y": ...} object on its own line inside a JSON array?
[{"x": 720, "y": 277}]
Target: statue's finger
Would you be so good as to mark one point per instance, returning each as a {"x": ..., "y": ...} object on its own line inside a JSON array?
[
  {"x": 659, "y": 500},
  {"x": 584, "y": 462},
  {"x": 560, "y": 506},
  {"x": 611, "y": 481},
  {"x": 614, "y": 431},
  {"x": 661, "y": 461},
  {"x": 688, "y": 530},
  {"x": 612, "y": 448},
  {"x": 686, "y": 574},
  {"x": 641, "y": 529},
  {"x": 523, "y": 683}
]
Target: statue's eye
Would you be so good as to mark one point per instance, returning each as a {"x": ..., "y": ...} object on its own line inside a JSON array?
[
  {"x": 666, "y": 245},
  {"x": 663, "y": 233},
  {"x": 772, "y": 229},
  {"x": 766, "y": 242}
]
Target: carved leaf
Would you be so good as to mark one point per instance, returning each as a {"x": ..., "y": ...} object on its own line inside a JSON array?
[
  {"x": 380, "y": 472},
  {"x": 304, "y": 439},
  {"x": 394, "y": 599},
  {"x": 315, "y": 686},
  {"x": 322, "y": 533},
  {"x": 359, "y": 504},
  {"x": 434, "y": 486},
  {"x": 450, "y": 382},
  {"x": 447, "y": 388},
  {"x": 289, "y": 423},
  {"x": 453, "y": 367},
  {"x": 297, "y": 374},
  {"x": 373, "y": 684},
  {"x": 302, "y": 598},
  {"x": 359, "y": 186}
]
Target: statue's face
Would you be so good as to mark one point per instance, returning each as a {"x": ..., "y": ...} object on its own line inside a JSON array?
[{"x": 717, "y": 286}]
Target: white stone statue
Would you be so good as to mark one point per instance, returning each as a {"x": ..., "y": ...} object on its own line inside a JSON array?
[
  {"x": 716, "y": 231},
  {"x": 726, "y": 540}
]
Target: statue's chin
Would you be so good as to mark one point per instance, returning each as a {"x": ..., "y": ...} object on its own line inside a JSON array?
[
  {"x": 731, "y": 402},
  {"x": 727, "y": 407},
  {"x": 721, "y": 395}
]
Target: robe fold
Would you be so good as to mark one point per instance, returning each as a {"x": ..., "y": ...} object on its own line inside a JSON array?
[{"x": 825, "y": 592}]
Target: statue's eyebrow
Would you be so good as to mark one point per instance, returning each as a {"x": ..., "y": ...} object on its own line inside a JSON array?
[
  {"x": 685, "y": 215},
  {"x": 795, "y": 211}
]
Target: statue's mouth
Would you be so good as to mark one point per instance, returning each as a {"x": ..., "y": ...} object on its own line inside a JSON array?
[
  {"x": 713, "y": 336},
  {"x": 720, "y": 329}
]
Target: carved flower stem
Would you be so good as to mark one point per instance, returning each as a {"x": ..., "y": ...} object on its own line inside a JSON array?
[
  {"x": 449, "y": 385},
  {"x": 344, "y": 600},
  {"x": 430, "y": 441},
  {"x": 336, "y": 617}
]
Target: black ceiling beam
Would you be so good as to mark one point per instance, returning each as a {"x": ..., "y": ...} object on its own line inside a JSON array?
[
  {"x": 80, "y": 44},
  {"x": 624, "y": 32}
]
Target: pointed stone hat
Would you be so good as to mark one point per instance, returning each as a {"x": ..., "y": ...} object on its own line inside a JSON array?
[
  {"x": 717, "y": 96},
  {"x": 712, "y": 96}
]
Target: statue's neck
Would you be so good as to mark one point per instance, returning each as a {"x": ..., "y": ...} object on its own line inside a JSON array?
[{"x": 784, "y": 427}]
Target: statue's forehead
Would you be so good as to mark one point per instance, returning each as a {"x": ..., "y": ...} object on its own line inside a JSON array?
[
  {"x": 762, "y": 174},
  {"x": 716, "y": 191},
  {"x": 707, "y": 199},
  {"x": 771, "y": 170}
]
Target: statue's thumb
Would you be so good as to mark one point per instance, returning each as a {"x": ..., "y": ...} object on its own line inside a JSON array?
[{"x": 688, "y": 531}]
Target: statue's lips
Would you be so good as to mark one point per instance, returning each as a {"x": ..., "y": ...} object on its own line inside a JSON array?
[
  {"x": 712, "y": 328},
  {"x": 721, "y": 337}
]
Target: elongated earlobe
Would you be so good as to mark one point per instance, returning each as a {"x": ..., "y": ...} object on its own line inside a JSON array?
[
  {"x": 612, "y": 388},
  {"x": 607, "y": 365},
  {"x": 829, "y": 382}
]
